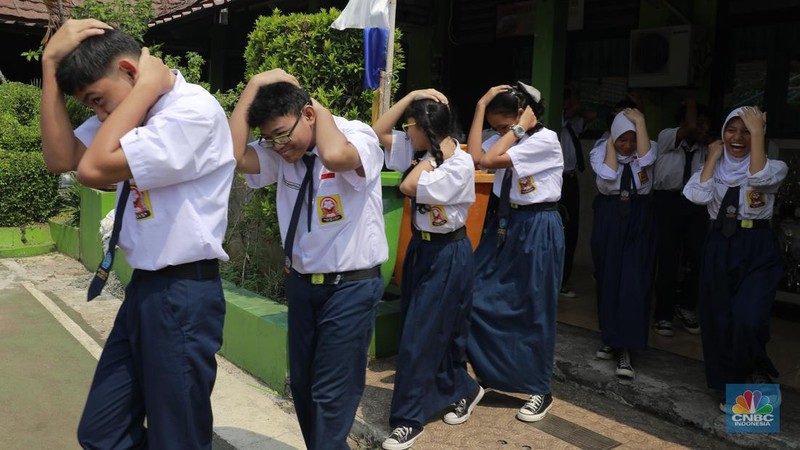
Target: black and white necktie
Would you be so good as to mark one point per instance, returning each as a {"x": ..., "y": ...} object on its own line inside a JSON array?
[
  {"x": 728, "y": 210},
  {"x": 101, "y": 274},
  {"x": 288, "y": 244}
]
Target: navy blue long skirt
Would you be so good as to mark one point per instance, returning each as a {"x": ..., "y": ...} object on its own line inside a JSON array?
[
  {"x": 738, "y": 281},
  {"x": 436, "y": 298},
  {"x": 513, "y": 324},
  {"x": 623, "y": 252}
]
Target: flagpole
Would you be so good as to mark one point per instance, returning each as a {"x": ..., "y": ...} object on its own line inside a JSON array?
[{"x": 386, "y": 87}]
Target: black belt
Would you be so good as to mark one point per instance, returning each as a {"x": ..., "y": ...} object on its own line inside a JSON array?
[
  {"x": 570, "y": 174},
  {"x": 547, "y": 206},
  {"x": 340, "y": 277},
  {"x": 456, "y": 235},
  {"x": 206, "y": 269},
  {"x": 746, "y": 224}
]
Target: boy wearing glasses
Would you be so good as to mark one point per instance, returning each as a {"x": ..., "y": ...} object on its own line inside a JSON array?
[{"x": 327, "y": 171}]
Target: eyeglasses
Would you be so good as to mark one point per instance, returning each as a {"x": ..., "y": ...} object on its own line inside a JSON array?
[
  {"x": 502, "y": 128},
  {"x": 282, "y": 139},
  {"x": 406, "y": 126}
]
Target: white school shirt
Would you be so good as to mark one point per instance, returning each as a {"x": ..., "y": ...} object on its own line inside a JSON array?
[
  {"x": 668, "y": 170},
  {"x": 538, "y": 165},
  {"x": 182, "y": 163},
  {"x": 449, "y": 189},
  {"x": 756, "y": 196},
  {"x": 347, "y": 229},
  {"x": 608, "y": 180}
]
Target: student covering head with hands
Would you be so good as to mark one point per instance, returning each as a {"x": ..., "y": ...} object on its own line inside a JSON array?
[{"x": 167, "y": 140}]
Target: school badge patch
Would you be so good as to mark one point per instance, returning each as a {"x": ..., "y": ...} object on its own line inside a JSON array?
[
  {"x": 329, "y": 209},
  {"x": 643, "y": 178},
  {"x": 142, "y": 207},
  {"x": 526, "y": 185},
  {"x": 755, "y": 199},
  {"x": 438, "y": 216}
]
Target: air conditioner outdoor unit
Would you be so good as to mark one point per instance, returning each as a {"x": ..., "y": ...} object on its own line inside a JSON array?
[{"x": 662, "y": 56}]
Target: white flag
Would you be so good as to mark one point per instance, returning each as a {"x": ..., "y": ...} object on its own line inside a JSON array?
[{"x": 363, "y": 14}]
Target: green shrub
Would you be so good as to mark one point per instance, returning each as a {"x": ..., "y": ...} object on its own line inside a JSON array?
[
  {"x": 22, "y": 101},
  {"x": 16, "y": 137},
  {"x": 28, "y": 191},
  {"x": 328, "y": 62},
  {"x": 130, "y": 16}
]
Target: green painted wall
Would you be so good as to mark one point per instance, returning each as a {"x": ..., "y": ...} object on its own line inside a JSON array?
[{"x": 29, "y": 240}]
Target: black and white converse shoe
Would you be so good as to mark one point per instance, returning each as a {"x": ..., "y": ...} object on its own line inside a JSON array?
[
  {"x": 688, "y": 318},
  {"x": 624, "y": 367},
  {"x": 605, "y": 352},
  {"x": 401, "y": 438},
  {"x": 463, "y": 409},
  {"x": 535, "y": 408}
]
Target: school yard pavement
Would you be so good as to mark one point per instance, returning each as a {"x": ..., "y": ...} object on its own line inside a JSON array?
[{"x": 50, "y": 338}]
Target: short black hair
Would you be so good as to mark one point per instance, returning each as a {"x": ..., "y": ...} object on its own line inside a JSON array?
[
  {"x": 93, "y": 59},
  {"x": 508, "y": 103},
  {"x": 276, "y": 100},
  {"x": 702, "y": 111}
]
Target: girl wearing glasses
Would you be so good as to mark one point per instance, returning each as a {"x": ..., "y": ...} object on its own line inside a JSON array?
[
  {"x": 520, "y": 258},
  {"x": 436, "y": 291}
]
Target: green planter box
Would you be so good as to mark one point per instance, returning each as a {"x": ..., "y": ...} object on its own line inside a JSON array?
[
  {"x": 29, "y": 240},
  {"x": 95, "y": 204},
  {"x": 67, "y": 239},
  {"x": 392, "y": 216}
]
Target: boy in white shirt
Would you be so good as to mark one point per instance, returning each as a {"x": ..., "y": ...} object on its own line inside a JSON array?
[
  {"x": 168, "y": 142},
  {"x": 330, "y": 212}
]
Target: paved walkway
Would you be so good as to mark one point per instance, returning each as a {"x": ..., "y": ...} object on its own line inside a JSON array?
[{"x": 46, "y": 372}]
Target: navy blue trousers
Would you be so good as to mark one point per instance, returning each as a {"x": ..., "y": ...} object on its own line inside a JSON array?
[
  {"x": 623, "y": 252},
  {"x": 682, "y": 227},
  {"x": 739, "y": 278},
  {"x": 511, "y": 342},
  {"x": 330, "y": 327},
  {"x": 436, "y": 299},
  {"x": 158, "y": 363}
]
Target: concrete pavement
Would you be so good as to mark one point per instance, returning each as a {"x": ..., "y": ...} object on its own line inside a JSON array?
[{"x": 666, "y": 406}]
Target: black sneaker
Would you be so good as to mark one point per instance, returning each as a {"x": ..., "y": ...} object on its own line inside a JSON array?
[
  {"x": 624, "y": 367},
  {"x": 463, "y": 409},
  {"x": 605, "y": 352},
  {"x": 664, "y": 328},
  {"x": 535, "y": 408},
  {"x": 760, "y": 377},
  {"x": 401, "y": 438},
  {"x": 688, "y": 318}
]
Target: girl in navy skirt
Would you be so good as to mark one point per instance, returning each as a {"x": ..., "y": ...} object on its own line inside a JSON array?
[
  {"x": 623, "y": 237},
  {"x": 519, "y": 261},
  {"x": 742, "y": 263},
  {"x": 436, "y": 289}
]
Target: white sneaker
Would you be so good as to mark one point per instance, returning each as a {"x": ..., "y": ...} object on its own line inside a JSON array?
[
  {"x": 567, "y": 293},
  {"x": 535, "y": 408},
  {"x": 401, "y": 438},
  {"x": 463, "y": 409},
  {"x": 688, "y": 318}
]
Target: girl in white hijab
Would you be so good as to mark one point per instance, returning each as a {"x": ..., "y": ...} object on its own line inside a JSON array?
[
  {"x": 742, "y": 263},
  {"x": 623, "y": 232}
]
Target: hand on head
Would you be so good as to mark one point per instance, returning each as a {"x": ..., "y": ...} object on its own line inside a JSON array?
[
  {"x": 274, "y": 76},
  {"x": 634, "y": 115},
  {"x": 754, "y": 119},
  {"x": 69, "y": 36},
  {"x": 428, "y": 94},
  {"x": 492, "y": 93},
  {"x": 152, "y": 72},
  {"x": 528, "y": 119}
]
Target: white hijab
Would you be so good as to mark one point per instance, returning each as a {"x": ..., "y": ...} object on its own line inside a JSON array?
[
  {"x": 732, "y": 171},
  {"x": 619, "y": 126}
]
